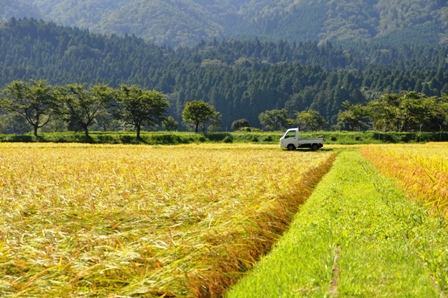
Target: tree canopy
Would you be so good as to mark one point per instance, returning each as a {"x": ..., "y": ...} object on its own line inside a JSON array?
[
  {"x": 310, "y": 120},
  {"x": 80, "y": 107},
  {"x": 137, "y": 106},
  {"x": 275, "y": 119},
  {"x": 198, "y": 112},
  {"x": 33, "y": 101},
  {"x": 407, "y": 111},
  {"x": 240, "y": 123},
  {"x": 170, "y": 124}
]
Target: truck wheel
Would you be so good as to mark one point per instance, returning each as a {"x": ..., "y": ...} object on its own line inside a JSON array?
[
  {"x": 291, "y": 147},
  {"x": 314, "y": 147}
]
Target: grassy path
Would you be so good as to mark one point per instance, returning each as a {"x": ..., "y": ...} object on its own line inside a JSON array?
[{"x": 357, "y": 236}]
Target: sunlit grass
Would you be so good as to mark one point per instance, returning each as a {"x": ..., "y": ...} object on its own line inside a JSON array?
[{"x": 357, "y": 235}]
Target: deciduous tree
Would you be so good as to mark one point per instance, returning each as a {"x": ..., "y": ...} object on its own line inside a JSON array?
[
  {"x": 354, "y": 117},
  {"x": 240, "y": 123},
  {"x": 34, "y": 101},
  {"x": 137, "y": 106},
  {"x": 198, "y": 112},
  {"x": 80, "y": 106},
  {"x": 310, "y": 120},
  {"x": 275, "y": 119},
  {"x": 170, "y": 123}
]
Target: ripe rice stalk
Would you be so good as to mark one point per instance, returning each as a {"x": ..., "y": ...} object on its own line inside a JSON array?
[
  {"x": 97, "y": 220},
  {"x": 241, "y": 249},
  {"x": 419, "y": 169}
]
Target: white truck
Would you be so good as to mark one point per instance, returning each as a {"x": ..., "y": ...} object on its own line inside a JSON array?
[{"x": 291, "y": 140}]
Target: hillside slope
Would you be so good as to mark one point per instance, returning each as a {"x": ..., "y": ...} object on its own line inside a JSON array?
[
  {"x": 240, "y": 78},
  {"x": 18, "y": 9},
  {"x": 187, "y": 22},
  {"x": 182, "y": 22}
]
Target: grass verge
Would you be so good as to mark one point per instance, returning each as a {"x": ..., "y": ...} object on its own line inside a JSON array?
[
  {"x": 357, "y": 235},
  {"x": 175, "y": 138}
]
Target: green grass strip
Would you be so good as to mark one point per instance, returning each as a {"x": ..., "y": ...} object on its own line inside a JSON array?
[{"x": 357, "y": 236}]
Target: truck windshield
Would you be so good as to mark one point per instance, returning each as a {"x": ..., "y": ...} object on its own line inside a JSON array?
[{"x": 290, "y": 134}]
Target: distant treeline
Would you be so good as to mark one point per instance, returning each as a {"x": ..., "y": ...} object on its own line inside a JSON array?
[{"x": 241, "y": 79}]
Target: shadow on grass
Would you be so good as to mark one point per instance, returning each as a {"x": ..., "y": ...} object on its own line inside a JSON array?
[
  {"x": 87, "y": 139},
  {"x": 311, "y": 150}
]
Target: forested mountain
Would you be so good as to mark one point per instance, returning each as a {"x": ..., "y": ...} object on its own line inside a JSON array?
[
  {"x": 240, "y": 78},
  {"x": 187, "y": 22},
  {"x": 18, "y": 9}
]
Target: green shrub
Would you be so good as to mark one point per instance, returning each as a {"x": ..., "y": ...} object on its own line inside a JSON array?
[{"x": 228, "y": 139}]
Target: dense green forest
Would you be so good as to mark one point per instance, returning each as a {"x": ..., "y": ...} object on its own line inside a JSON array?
[
  {"x": 241, "y": 79},
  {"x": 187, "y": 22}
]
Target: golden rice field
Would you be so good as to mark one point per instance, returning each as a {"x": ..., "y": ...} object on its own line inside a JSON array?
[
  {"x": 421, "y": 170},
  {"x": 143, "y": 221}
]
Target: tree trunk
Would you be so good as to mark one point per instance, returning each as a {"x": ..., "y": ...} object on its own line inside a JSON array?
[
  {"x": 138, "y": 132},
  {"x": 36, "y": 127}
]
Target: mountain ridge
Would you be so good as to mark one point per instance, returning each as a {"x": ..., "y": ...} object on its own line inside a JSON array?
[{"x": 187, "y": 22}]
